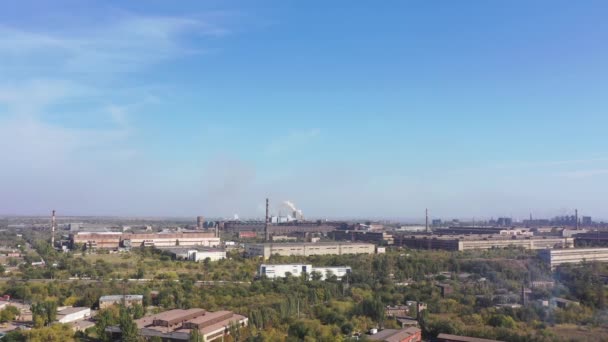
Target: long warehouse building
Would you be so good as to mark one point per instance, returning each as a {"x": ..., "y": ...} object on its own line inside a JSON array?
[
  {"x": 111, "y": 240},
  {"x": 265, "y": 250},
  {"x": 462, "y": 243},
  {"x": 556, "y": 257}
]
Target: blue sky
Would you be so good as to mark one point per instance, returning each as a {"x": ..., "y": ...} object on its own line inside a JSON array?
[{"x": 349, "y": 109}]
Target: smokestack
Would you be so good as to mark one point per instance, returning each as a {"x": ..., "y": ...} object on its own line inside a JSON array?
[
  {"x": 426, "y": 212},
  {"x": 53, "y": 229},
  {"x": 576, "y": 217},
  {"x": 266, "y": 223}
]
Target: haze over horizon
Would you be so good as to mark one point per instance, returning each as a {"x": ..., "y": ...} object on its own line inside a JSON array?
[{"x": 471, "y": 109}]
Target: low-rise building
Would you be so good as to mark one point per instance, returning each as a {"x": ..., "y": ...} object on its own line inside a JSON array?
[
  {"x": 73, "y": 314},
  {"x": 127, "y": 300},
  {"x": 297, "y": 270},
  {"x": 176, "y": 325},
  {"x": 265, "y": 250},
  {"x": 198, "y": 254},
  {"x": 397, "y": 311}
]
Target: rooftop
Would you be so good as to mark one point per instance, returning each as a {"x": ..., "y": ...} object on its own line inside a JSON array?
[
  {"x": 176, "y": 315},
  {"x": 464, "y": 338},
  {"x": 69, "y": 311}
]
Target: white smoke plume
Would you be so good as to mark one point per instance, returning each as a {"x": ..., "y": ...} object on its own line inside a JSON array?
[{"x": 293, "y": 207}]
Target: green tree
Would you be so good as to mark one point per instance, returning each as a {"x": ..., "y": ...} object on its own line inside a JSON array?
[
  {"x": 128, "y": 327},
  {"x": 44, "y": 313},
  {"x": 138, "y": 311},
  {"x": 195, "y": 336},
  {"x": 105, "y": 318},
  {"x": 53, "y": 333},
  {"x": 8, "y": 314}
]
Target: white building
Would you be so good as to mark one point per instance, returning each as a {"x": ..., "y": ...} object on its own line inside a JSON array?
[
  {"x": 556, "y": 257},
  {"x": 212, "y": 254},
  {"x": 200, "y": 254},
  {"x": 326, "y": 272},
  {"x": 280, "y": 271},
  {"x": 296, "y": 270},
  {"x": 68, "y": 315}
]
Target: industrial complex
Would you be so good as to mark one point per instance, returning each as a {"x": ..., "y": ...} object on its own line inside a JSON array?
[{"x": 292, "y": 235}]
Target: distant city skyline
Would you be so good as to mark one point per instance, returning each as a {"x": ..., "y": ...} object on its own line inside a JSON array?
[{"x": 379, "y": 110}]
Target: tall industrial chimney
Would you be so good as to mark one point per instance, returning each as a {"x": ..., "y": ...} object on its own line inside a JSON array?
[
  {"x": 576, "y": 217},
  {"x": 53, "y": 230},
  {"x": 266, "y": 235},
  {"x": 426, "y": 225}
]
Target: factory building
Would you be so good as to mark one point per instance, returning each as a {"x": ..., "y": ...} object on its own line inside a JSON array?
[
  {"x": 113, "y": 240},
  {"x": 483, "y": 231},
  {"x": 595, "y": 239},
  {"x": 461, "y": 243},
  {"x": 265, "y": 250},
  {"x": 176, "y": 325},
  {"x": 282, "y": 228},
  {"x": 297, "y": 270},
  {"x": 556, "y": 257},
  {"x": 380, "y": 238}
]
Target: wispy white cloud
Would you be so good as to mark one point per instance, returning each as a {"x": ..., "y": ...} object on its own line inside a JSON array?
[
  {"x": 30, "y": 97},
  {"x": 124, "y": 44}
]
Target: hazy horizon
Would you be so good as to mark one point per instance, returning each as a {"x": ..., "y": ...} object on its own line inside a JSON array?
[{"x": 471, "y": 109}]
